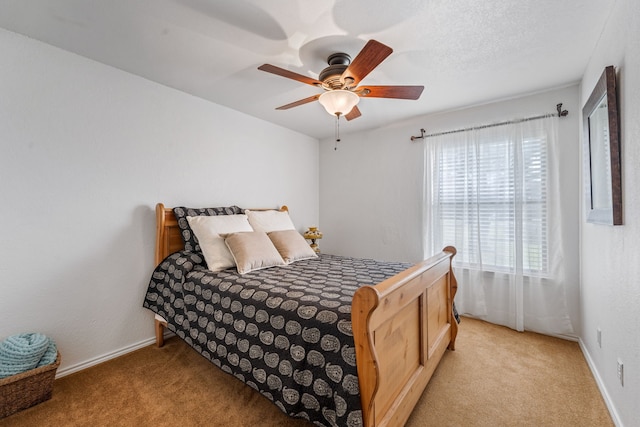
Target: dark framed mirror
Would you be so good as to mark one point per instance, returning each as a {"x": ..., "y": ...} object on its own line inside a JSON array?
[{"x": 602, "y": 163}]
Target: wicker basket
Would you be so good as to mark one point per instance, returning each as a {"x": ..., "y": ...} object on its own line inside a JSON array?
[{"x": 26, "y": 389}]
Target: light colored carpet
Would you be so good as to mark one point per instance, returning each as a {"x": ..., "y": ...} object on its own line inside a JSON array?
[{"x": 495, "y": 377}]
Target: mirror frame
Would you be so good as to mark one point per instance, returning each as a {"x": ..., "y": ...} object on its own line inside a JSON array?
[{"x": 611, "y": 214}]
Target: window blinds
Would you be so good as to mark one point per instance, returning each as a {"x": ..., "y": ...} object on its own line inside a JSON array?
[{"x": 492, "y": 197}]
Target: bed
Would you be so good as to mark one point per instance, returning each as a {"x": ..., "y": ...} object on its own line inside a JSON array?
[{"x": 363, "y": 342}]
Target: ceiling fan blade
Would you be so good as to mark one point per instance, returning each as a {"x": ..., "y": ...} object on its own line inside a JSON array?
[
  {"x": 397, "y": 92},
  {"x": 300, "y": 102},
  {"x": 289, "y": 74},
  {"x": 353, "y": 114},
  {"x": 371, "y": 55}
]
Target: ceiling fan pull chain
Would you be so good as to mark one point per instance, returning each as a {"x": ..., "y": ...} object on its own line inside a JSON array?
[{"x": 335, "y": 148}]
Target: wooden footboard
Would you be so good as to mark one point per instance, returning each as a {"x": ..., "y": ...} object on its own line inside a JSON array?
[{"x": 402, "y": 327}]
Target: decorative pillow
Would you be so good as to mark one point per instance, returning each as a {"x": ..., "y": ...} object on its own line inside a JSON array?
[
  {"x": 181, "y": 213},
  {"x": 208, "y": 229},
  {"x": 291, "y": 245},
  {"x": 252, "y": 251},
  {"x": 270, "y": 220}
]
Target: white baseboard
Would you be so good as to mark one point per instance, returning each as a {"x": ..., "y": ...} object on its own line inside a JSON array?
[
  {"x": 112, "y": 355},
  {"x": 603, "y": 390}
]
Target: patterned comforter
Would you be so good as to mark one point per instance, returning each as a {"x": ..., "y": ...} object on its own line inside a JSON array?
[{"x": 285, "y": 331}]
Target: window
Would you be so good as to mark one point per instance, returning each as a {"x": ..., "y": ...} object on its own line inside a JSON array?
[
  {"x": 493, "y": 193},
  {"x": 492, "y": 202}
]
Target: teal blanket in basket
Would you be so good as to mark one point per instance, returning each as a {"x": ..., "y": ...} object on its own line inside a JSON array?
[{"x": 23, "y": 352}]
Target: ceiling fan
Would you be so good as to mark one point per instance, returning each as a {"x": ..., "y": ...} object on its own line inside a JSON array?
[{"x": 341, "y": 78}]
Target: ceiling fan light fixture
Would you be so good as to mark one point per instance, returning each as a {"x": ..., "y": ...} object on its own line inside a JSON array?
[{"x": 338, "y": 102}]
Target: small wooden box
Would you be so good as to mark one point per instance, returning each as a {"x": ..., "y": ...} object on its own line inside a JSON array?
[{"x": 27, "y": 389}]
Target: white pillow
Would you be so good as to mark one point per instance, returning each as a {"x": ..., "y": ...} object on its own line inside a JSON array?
[
  {"x": 208, "y": 229},
  {"x": 270, "y": 220},
  {"x": 252, "y": 251}
]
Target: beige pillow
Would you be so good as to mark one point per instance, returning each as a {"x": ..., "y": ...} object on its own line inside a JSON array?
[
  {"x": 268, "y": 221},
  {"x": 208, "y": 230},
  {"x": 252, "y": 251},
  {"x": 291, "y": 245}
]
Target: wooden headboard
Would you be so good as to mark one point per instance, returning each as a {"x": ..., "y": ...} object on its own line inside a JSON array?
[{"x": 168, "y": 236}]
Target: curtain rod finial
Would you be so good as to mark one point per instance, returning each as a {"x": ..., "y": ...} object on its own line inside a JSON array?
[
  {"x": 422, "y": 131},
  {"x": 561, "y": 112}
]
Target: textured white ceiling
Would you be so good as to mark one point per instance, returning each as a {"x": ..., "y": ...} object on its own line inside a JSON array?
[{"x": 464, "y": 52}]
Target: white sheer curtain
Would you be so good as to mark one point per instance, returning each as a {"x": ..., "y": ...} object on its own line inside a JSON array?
[{"x": 493, "y": 194}]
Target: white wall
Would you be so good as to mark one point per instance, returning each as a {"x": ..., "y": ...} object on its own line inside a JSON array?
[
  {"x": 370, "y": 193},
  {"x": 371, "y": 186},
  {"x": 610, "y": 256},
  {"x": 86, "y": 153}
]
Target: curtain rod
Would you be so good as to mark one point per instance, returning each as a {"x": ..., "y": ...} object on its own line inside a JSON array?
[{"x": 560, "y": 113}]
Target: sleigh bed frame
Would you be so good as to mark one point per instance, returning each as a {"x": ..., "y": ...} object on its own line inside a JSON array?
[{"x": 401, "y": 328}]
